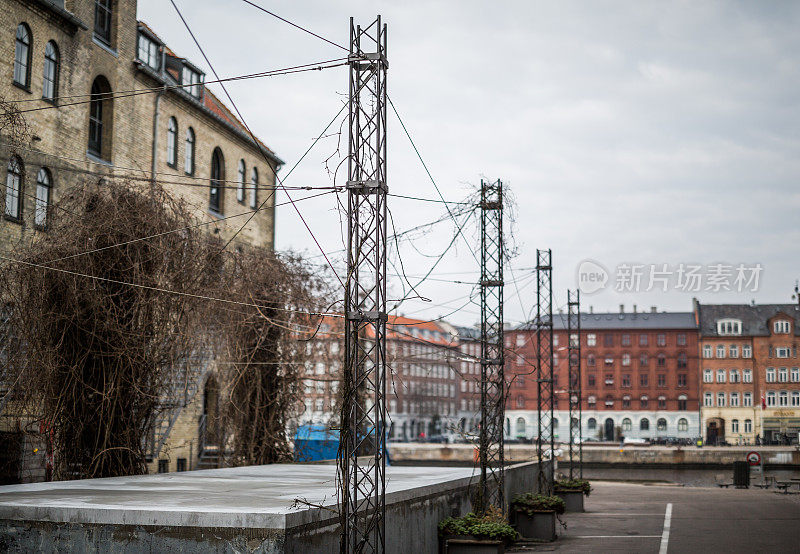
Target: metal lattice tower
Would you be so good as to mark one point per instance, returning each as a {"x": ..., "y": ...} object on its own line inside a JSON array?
[
  {"x": 361, "y": 461},
  {"x": 575, "y": 390},
  {"x": 492, "y": 491},
  {"x": 545, "y": 398}
]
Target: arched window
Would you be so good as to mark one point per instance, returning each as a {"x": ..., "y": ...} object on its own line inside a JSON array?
[
  {"x": 22, "y": 56},
  {"x": 43, "y": 185},
  {"x": 240, "y": 183},
  {"x": 189, "y": 152},
  {"x": 520, "y": 426},
  {"x": 13, "y": 207},
  {"x": 683, "y": 424},
  {"x": 591, "y": 424},
  {"x": 644, "y": 424},
  {"x": 254, "y": 188},
  {"x": 100, "y": 118},
  {"x": 626, "y": 424},
  {"x": 217, "y": 177},
  {"x": 661, "y": 424},
  {"x": 172, "y": 142},
  {"x": 50, "y": 79}
]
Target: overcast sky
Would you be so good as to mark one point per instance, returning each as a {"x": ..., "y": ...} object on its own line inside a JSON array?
[{"x": 628, "y": 132}]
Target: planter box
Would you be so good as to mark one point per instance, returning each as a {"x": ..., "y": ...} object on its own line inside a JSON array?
[
  {"x": 473, "y": 546},
  {"x": 572, "y": 498},
  {"x": 541, "y": 526}
]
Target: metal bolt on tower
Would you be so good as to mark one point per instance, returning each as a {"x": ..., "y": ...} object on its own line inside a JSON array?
[
  {"x": 575, "y": 387},
  {"x": 492, "y": 491},
  {"x": 545, "y": 398},
  {"x": 361, "y": 461}
]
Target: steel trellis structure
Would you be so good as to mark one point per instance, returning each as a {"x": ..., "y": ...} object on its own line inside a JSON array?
[
  {"x": 361, "y": 461},
  {"x": 492, "y": 489},
  {"x": 545, "y": 398},
  {"x": 575, "y": 386}
]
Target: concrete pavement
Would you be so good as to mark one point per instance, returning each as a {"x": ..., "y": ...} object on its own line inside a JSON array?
[{"x": 669, "y": 519}]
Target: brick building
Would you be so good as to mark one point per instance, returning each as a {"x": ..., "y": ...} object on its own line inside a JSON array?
[
  {"x": 750, "y": 375},
  {"x": 105, "y": 98},
  {"x": 639, "y": 376}
]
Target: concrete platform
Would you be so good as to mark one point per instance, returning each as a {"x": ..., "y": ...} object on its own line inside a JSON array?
[{"x": 275, "y": 508}]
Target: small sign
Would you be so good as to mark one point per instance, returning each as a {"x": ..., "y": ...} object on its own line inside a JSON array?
[{"x": 754, "y": 458}]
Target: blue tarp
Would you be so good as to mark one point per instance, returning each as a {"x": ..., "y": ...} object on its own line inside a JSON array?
[{"x": 313, "y": 443}]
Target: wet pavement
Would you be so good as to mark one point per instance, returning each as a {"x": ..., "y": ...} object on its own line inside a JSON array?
[{"x": 627, "y": 517}]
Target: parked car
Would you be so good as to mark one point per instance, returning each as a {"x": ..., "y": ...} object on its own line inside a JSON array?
[{"x": 632, "y": 441}]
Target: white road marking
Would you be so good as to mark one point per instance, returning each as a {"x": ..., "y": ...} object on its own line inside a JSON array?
[
  {"x": 665, "y": 533},
  {"x": 614, "y": 536}
]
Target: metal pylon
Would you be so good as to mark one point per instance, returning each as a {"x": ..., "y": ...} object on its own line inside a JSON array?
[
  {"x": 361, "y": 461},
  {"x": 545, "y": 397},
  {"x": 575, "y": 396},
  {"x": 492, "y": 492}
]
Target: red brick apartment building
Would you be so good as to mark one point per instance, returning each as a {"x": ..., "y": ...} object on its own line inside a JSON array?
[{"x": 639, "y": 376}]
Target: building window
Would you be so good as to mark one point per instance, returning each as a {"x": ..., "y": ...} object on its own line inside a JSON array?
[
  {"x": 22, "y": 56},
  {"x": 771, "y": 398},
  {"x": 783, "y": 375},
  {"x": 734, "y": 375},
  {"x": 682, "y": 403},
  {"x": 50, "y": 77},
  {"x": 729, "y": 327},
  {"x": 240, "y": 183},
  {"x": 662, "y": 403},
  {"x": 626, "y": 339},
  {"x": 747, "y": 399},
  {"x": 708, "y": 399},
  {"x": 681, "y": 339},
  {"x": 591, "y": 339},
  {"x": 734, "y": 426},
  {"x": 189, "y": 153},
  {"x": 707, "y": 351},
  {"x": 734, "y": 400},
  {"x": 747, "y": 375},
  {"x": 626, "y": 380},
  {"x": 43, "y": 185},
  {"x": 102, "y": 20},
  {"x": 662, "y": 380},
  {"x": 661, "y": 361},
  {"x": 644, "y": 424},
  {"x": 172, "y": 142},
  {"x": 782, "y": 327},
  {"x": 643, "y": 402},
  {"x": 13, "y": 208},
  {"x": 782, "y": 352},
  {"x": 721, "y": 399},
  {"x": 520, "y": 426},
  {"x": 748, "y": 425},
  {"x": 720, "y": 376},
  {"x": 254, "y": 188},
  {"x": 591, "y": 401},
  {"x": 591, "y": 380},
  {"x": 642, "y": 340},
  {"x": 683, "y": 424},
  {"x": 590, "y": 360},
  {"x": 747, "y": 351},
  {"x": 795, "y": 375},
  {"x": 192, "y": 81},
  {"x": 626, "y": 359},
  {"x": 609, "y": 402},
  {"x": 99, "y": 114},
  {"x": 148, "y": 52},
  {"x": 644, "y": 362},
  {"x": 626, "y": 424},
  {"x": 795, "y": 399},
  {"x": 163, "y": 466},
  {"x": 520, "y": 401},
  {"x": 520, "y": 338},
  {"x": 608, "y": 339},
  {"x": 770, "y": 375},
  {"x": 181, "y": 464},
  {"x": 681, "y": 380},
  {"x": 720, "y": 351},
  {"x": 661, "y": 339},
  {"x": 626, "y": 402},
  {"x": 708, "y": 376},
  {"x": 591, "y": 425},
  {"x": 644, "y": 380},
  {"x": 661, "y": 424},
  {"x": 609, "y": 379},
  {"x": 733, "y": 351},
  {"x": 783, "y": 398},
  {"x": 682, "y": 361},
  {"x": 555, "y": 340},
  {"x": 217, "y": 181}
]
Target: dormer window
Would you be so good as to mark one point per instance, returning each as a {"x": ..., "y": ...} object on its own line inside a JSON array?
[
  {"x": 782, "y": 327},
  {"x": 148, "y": 52},
  {"x": 729, "y": 327},
  {"x": 192, "y": 81}
]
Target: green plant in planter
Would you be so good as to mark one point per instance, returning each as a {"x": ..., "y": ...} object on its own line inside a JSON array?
[
  {"x": 530, "y": 503},
  {"x": 482, "y": 527},
  {"x": 574, "y": 484}
]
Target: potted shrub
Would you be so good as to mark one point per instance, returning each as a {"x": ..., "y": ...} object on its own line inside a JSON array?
[
  {"x": 475, "y": 534},
  {"x": 536, "y": 515},
  {"x": 573, "y": 491}
]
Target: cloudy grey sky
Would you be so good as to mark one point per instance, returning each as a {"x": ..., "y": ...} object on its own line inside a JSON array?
[{"x": 628, "y": 132}]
